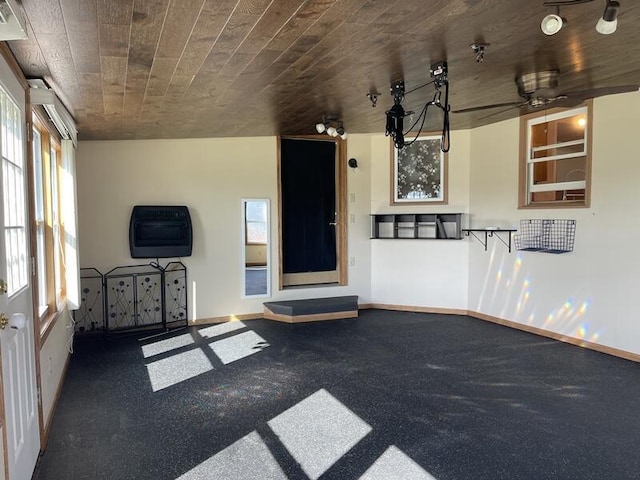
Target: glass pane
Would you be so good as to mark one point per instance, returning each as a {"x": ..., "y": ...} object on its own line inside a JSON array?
[
  {"x": 569, "y": 195},
  {"x": 256, "y": 232},
  {"x": 55, "y": 206},
  {"x": 559, "y": 171},
  {"x": 566, "y": 129},
  {"x": 42, "y": 259},
  {"x": 13, "y": 184},
  {"x": 37, "y": 177},
  {"x": 256, "y": 211},
  {"x": 568, "y": 150}
]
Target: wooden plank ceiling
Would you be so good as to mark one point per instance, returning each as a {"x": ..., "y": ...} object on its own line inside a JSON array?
[{"x": 130, "y": 69}]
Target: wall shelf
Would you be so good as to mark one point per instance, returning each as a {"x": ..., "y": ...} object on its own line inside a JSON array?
[
  {"x": 483, "y": 235},
  {"x": 421, "y": 226}
]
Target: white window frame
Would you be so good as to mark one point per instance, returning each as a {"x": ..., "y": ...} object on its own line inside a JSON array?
[{"x": 528, "y": 187}]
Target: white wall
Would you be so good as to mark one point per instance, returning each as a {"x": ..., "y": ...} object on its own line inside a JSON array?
[
  {"x": 53, "y": 359},
  {"x": 587, "y": 294},
  {"x": 420, "y": 273},
  {"x": 211, "y": 176}
]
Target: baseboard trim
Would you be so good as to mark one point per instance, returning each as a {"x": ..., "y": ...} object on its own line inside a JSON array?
[
  {"x": 226, "y": 318},
  {"x": 415, "y": 309},
  {"x": 315, "y": 317},
  {"x": 616, "y": 352}
]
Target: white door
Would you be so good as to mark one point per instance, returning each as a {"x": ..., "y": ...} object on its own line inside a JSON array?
[{"x": 16, "y": 344}]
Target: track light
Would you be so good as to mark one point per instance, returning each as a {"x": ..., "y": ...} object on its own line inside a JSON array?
[
  {"x": 609, "y": 21},
  {"x": 607, "y": 24},
  {"x": 332, "y": 126},
  {"x": 551, "y": 24}
]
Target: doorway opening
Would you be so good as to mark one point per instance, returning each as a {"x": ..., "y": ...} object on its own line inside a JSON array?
[{"x": 312, "y": 192}]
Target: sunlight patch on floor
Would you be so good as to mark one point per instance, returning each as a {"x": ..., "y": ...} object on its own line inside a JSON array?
[
  {"x": 167, "y": 345},
  {"x": 394, "y": 463},
  {"x": 247, "y": 459},
  {"x": 220, "y": 329},
  {"x": 239, "y": 346},
  {"x": 318, "y": 431},
  {"x": 177, "y": 368}
]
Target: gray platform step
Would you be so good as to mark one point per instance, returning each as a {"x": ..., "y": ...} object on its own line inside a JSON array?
[{"x": 312, "y": 309}]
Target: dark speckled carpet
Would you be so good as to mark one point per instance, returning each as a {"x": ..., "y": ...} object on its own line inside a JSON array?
[{"x": 387, "y": 395}]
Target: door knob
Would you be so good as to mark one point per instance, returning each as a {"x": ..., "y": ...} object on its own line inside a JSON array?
[
  {"x": 4, "y": 320},
  {"x": 3, "y": 287}
]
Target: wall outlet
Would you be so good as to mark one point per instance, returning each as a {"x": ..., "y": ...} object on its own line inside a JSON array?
[
  {"x": 352, "y": 261},
  {"x": 352, "y": 197},
  {"x": 352, "y": 218}
]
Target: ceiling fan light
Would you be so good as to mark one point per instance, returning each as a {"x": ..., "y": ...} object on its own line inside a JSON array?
[
  {"x": 332, "y": 132},
  {"x": 551, "y": 24},
  {"x": 320, "y": 127}
]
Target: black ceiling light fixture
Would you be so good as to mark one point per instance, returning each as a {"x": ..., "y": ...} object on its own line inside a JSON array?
[
  {"x": 607, "y": 24},
  {"x": 396, "y": 114},
  {"x": 332, "y": 126}
]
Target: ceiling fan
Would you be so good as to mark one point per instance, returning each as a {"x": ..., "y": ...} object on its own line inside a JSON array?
[{"x": 538, "y": 89}]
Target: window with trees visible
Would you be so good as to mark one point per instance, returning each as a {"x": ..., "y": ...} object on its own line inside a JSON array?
[{"x": 555, "y": 163}]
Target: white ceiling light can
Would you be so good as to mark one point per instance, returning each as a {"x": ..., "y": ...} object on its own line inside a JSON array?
[
  {"x": 320, "y": 127},
  {"x": 332, "y": 132},
  {"x": 608, "y": 23},
  {"x": 551, "y": 24}
]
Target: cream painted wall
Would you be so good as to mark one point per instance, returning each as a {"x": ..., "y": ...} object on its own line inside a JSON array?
[
  {"x": 587, "y": 294},
  {"x": 211, "y": 176},
  {"x": 256, "y": 254},
  {"x": 423, "y": 273},
  {"x": 53, "y": 358}
]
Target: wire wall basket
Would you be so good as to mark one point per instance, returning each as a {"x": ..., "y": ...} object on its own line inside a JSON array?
[{"x": 546, "y": 235}]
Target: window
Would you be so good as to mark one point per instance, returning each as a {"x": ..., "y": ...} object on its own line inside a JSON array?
[
  {"x": 47, "y": 225},
  {"x": 555, "y": 161},
  {"x": 39, "y": 221},
  {"x": 256, "y": 222},
  {"x": 13, "y": 178}
]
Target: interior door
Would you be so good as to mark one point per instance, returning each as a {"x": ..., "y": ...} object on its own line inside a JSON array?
[
  {"x": 16, "y": 336},
  {"x": 311, "y": 217}
]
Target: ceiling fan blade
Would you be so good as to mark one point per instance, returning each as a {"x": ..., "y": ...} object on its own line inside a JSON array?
[
  {"x": 600, "y": 92},
  {"x": 519, "y": 105},
  {"x": 487, "y": 107}
]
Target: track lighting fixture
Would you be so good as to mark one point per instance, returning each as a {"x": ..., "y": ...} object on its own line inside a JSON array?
[
  {"x": 552, "y": 23},
  {"x": 607, "y": 24},
  {"x": 332, "y": 126}
]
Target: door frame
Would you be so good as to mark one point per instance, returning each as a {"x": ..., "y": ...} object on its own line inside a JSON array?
[{"x": 341, "y": 207}]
